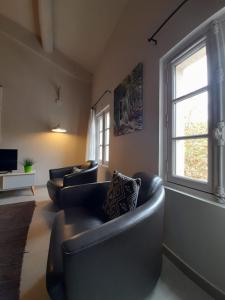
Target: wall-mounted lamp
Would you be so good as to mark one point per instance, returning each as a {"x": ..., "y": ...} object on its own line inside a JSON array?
[
  {"x": 58, "y": 129},
  {"x": 58, "y": 102},
  {"x": 58, "y": 99}
]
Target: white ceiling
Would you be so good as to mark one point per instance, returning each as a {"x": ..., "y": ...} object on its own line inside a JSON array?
[{"x": 81, "y": 27}]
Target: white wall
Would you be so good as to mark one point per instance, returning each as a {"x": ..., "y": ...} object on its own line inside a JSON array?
[
  {"x": 195, "y": 232},
  {"x": 29, "y": 90},
  {"x": 139, "y": 151}
]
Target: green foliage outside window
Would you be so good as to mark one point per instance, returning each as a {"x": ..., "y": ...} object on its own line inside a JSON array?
[{"x": 196, "y": 153}]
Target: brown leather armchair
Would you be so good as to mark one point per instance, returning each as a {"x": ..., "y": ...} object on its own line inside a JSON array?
[{"x": 91, "y": 258}]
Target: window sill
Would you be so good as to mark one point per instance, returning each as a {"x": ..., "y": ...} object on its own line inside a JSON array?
[{"x": 199, "y": 195}]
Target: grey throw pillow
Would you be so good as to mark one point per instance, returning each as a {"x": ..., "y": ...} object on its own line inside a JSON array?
[
  {"x": 77, "y": 170},
  {"x": 122, "y": 195},
  {"x": 86, "y": 165}
]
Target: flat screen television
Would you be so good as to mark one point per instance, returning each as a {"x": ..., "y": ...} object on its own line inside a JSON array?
[{"x": 8, "y": 160}]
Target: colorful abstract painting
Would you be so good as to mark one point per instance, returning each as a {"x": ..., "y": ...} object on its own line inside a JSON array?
[{"x": 128, "y": 103}]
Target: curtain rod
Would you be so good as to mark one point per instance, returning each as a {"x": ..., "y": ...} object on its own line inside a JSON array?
[
  {"x": 100, "y": 98},
  {"x": 152, "y": 38}
]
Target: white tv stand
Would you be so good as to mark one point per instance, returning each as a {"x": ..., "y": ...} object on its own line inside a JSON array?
[{"x": 17, "y": 180}]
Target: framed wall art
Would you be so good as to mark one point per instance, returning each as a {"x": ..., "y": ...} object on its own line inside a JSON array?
[{"x": 128, "y": 103}]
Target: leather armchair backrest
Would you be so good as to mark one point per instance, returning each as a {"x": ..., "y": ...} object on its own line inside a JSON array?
[
  {"x": 149, "y": 185},
  {"x": 86, "y": 176},
  {"x": 90, "y": 169},
  {"x": 89, "y": 164},
  {"x": 93, "y": 163}
]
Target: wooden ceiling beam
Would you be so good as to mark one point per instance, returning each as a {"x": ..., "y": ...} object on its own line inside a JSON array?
[{"x": 45, "y": 11}]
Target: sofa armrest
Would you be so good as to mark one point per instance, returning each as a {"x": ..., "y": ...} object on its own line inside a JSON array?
[
  {"x": 85, "y": 176},
  {"x": 60, "y": 172},
  {"x": 90, "y": 194}
]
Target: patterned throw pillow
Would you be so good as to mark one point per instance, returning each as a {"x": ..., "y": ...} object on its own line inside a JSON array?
[
  {"x": 86, "y": 165},
  {"x": 122, "y": 195}
]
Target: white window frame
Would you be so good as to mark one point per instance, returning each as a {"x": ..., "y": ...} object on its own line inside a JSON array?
[
  {"x": 216, "y": 158},
  {"x": 177, "y": 57},
  {"x": 102, "y": 114}
]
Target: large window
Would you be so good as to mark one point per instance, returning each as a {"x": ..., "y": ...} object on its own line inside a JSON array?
[
  {"x": 193, "y": 111},
  {"x": 188, "y": 108},
  {"x": 103, "y": 136}
]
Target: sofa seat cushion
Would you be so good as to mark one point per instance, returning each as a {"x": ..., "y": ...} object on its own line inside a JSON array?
[
  {"x": 66, "y": 224},
  {"x": 79, "y": 219}
]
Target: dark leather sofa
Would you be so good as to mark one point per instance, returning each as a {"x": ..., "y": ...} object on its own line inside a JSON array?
[
  {"x": 90, "y": 258},
  {"x": 63, "y": 177}
]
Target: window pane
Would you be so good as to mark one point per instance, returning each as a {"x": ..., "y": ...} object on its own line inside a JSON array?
[
  {"x": 100, "y": 138},
  {"x": 107, "y": 137},
  {"x": 100, "y": 153},
  {"x": 106, "y": 153},
  {"x": 191, "y": 116},
  {"x": 192, "y": 158},
  {"x": 107, "y": 120},
  {"x": 191, "y": 73},
  {"x": 100, "y": 123}
]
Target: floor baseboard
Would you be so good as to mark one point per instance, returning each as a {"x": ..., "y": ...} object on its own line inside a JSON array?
[{"x": 211, "y": 289}]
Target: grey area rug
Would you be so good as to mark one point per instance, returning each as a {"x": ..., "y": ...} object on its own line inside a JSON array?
[{"x": 14, "y": 224}]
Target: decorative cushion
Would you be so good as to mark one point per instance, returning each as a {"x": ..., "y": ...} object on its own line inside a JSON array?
[
  {"x": 86, "y": 165},
  {"x": 122, "y": 195},
  {"x": 77, "y": 170}
]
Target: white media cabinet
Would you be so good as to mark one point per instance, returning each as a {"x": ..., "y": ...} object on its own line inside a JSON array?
[{"x": 17, "y": 180}]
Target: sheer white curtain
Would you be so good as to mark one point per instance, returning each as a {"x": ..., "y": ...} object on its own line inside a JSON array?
[
  {"x": 216, "y": 38},
  {"x": 91, "y": 137}
]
